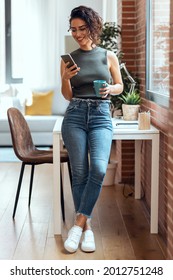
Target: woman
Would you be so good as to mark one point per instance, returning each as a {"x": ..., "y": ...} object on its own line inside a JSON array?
[{"x": 87, "y": 126}]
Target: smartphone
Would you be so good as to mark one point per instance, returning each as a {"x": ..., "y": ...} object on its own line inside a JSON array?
[{"x": 68, "y": 58}]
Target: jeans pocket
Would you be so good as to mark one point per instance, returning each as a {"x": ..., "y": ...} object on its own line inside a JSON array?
[
  {"x": 104, "y": 109},
  {"x": 72, "y": 106}
]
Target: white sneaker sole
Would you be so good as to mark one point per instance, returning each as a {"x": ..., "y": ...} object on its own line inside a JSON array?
[{"x": 88, "y": 250}]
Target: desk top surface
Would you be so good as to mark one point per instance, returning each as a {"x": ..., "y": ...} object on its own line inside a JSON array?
[{"x": 119, "y": 127}]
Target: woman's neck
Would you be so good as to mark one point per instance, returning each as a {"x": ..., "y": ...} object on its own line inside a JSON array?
[{"x": 88, "y": 47}]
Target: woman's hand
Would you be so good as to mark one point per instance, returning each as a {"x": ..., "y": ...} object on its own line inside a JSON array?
[
  {"x": 70, "y": 72},
  {"x": 111, "y": 90},
  {"x": 66, "y": 75},
  {"x": 105, "y": 90}
]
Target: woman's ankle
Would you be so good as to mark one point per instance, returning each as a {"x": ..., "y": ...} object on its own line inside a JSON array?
[
  {"x": 87, "y": 224},
  {"x": 80, "y": 220}
]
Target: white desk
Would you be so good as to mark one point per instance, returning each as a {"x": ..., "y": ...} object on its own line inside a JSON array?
[{"x": 120, "y": 133}]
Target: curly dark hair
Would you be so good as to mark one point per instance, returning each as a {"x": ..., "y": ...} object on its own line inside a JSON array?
[{"x": 93, "y": 21}]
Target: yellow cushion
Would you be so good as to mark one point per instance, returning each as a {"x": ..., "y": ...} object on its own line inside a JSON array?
[{"x": 41, "y": 104}]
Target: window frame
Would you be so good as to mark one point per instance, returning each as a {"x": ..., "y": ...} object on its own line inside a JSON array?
[
  {"x": 8, "y": 49},
  {"x": 158, "y": 98}
]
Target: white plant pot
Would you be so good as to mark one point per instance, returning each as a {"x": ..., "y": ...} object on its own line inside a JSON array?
[{"x": 109, "y": 178}]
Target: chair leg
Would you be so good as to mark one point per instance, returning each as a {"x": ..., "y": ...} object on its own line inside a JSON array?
[
  {"x": 31, "y": 183},
  {"x": 18, "y": 188},
  {"x": 62, "y": 197}
]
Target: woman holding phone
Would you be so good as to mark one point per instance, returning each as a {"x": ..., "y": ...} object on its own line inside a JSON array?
[{"x": 87, "y": 125}]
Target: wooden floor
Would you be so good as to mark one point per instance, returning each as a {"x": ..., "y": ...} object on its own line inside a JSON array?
[{"x": 119, "y": 223}]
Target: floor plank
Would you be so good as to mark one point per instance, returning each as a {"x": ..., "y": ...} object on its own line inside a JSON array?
[{"x": 31, "y": 243}]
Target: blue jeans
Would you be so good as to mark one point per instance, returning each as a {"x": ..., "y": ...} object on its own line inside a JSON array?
[{"x": 87, "y": 135}]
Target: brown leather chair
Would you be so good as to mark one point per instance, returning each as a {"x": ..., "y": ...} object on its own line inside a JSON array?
[{"x": 26, "y": 151}]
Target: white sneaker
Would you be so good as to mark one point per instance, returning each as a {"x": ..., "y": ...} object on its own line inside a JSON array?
[
  {"x": 74, "y": 236},
  {"x": 88, "y": 243}
]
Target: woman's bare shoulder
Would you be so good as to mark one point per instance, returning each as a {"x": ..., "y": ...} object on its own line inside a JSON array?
[{"x": 112, "y": 57}]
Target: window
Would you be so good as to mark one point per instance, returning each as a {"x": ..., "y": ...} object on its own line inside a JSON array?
[
  {"x": 2, "y": 42},
  {"x": 13, "y": 31},
  {"x": 17, "y": 37},
  {"x": 157, "y": 76}
]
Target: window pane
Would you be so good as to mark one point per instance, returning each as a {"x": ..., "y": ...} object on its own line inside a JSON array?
[
  {"x": 17, "y": 31},
  {"x": 159, "y": 63},
  {"x": 2, "y": 42}
]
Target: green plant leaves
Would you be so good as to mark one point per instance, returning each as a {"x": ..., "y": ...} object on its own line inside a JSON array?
[{"x": 132, "y": 98}]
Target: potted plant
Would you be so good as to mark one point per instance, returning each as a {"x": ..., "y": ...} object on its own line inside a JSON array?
[
  {"x": 109, "y": 38},
  {"x": 131, "y": 104}
]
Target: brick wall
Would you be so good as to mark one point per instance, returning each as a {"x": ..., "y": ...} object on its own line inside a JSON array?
[
  {"x": 134, "y": 45},
  {"x": 129, "y": 34},
  {"x": 170, "y": 148}
]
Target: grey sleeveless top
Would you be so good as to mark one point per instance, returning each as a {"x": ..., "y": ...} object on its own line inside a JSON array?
[{"x": 93, "y": 66}]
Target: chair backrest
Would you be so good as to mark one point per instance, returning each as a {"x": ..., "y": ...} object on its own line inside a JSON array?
[{"x": 20, "y": 133}]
